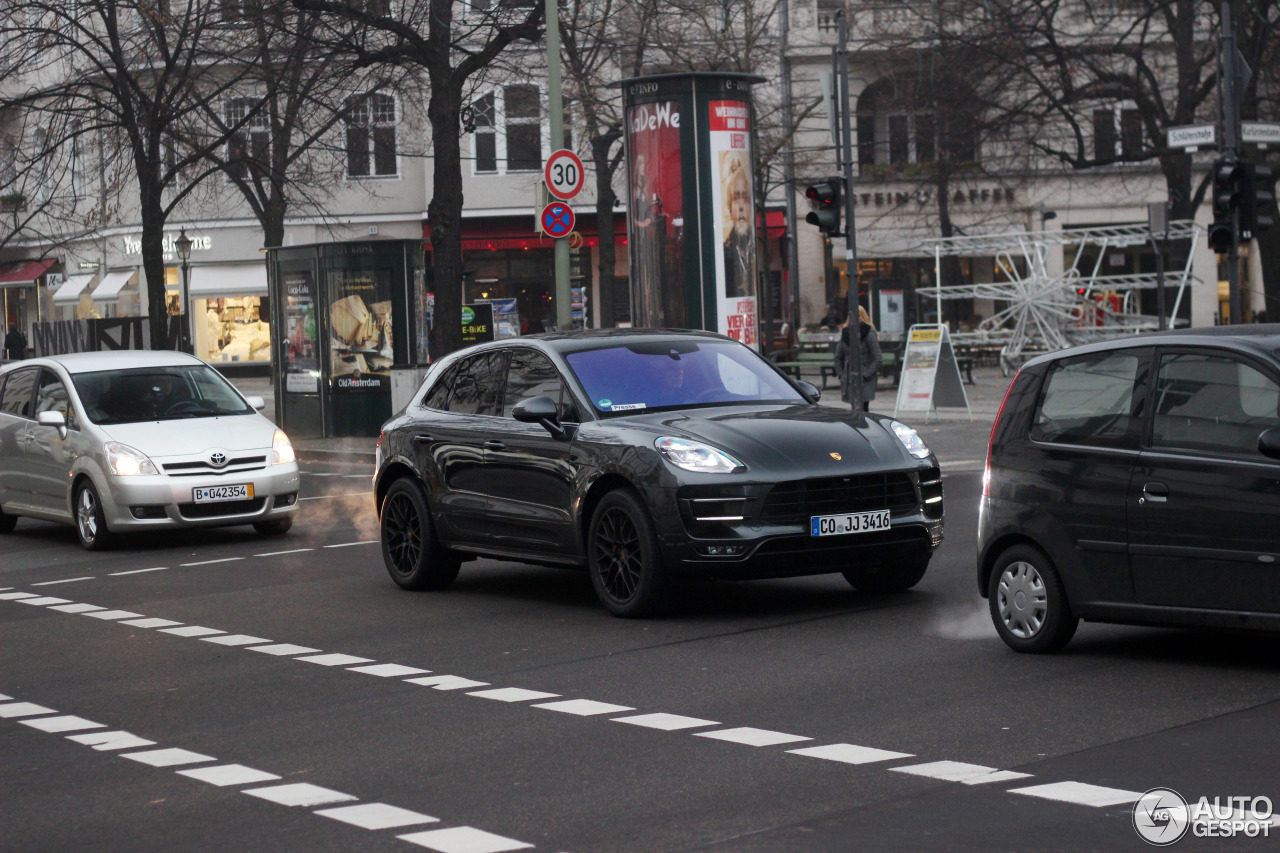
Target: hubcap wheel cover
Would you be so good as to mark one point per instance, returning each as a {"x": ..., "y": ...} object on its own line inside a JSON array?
[
  {"x": 402, "y": 534},
  {"x": 1023, "y": 600},
  {"x": 618, "y": 554},
  {"x": 87, "y": 515}
]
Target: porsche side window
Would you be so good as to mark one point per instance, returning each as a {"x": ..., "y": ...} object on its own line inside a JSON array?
[
  {"x": 1090, "y": 400},
  {"x": 17, "y": 393},
  {"x": 1209, "y": 402},
  {"x": 438, "y": 396},
  {"x": 475, "y": 389},
  {"x": 530, "y": 374}
]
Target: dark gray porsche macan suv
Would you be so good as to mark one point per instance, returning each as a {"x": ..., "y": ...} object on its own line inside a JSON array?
[
  {"x": 642, "y": 456},
  {"x": 1136, "y": 481}
]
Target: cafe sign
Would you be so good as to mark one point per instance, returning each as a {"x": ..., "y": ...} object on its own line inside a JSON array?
[{"x": 133, "y": 245}]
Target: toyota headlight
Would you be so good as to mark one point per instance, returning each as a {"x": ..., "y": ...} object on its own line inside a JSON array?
[
  {"x": 282, "y": 449},
  {"x": 126, "y": 461},
  {"x": 910, "y": 439},
  {"x": 696, "y": 456}
]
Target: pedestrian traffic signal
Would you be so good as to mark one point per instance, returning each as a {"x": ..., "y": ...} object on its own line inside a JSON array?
[
  {"x": 825, "y": 200},
  {"x": 1257, "y": 200}
]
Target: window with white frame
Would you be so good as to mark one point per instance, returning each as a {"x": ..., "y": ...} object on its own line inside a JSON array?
[
  {"x": 1117, "y": 133},
  {"x": 895, "y": 127},
  {"x": 508, "y": 130},
  {"x": 249, "y": 146},
  {"x": 371, "y": 135}
]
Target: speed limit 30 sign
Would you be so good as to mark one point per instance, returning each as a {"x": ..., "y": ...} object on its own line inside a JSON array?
[{"x": 563, "y": 174}]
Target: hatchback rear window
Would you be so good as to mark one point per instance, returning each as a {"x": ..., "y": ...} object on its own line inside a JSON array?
[{"x": 1090, "y": 400}]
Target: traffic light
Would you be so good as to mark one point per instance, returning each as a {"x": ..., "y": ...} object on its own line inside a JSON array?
[
  {"x": 825, "y": 200},
  {"x": 1257, "y": 200},
  {"x": 1228, "y": 175}
]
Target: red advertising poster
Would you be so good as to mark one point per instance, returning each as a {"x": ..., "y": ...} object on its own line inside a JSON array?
[
  {"x": 733, "y": 208},
  {"x": 656, "y": 215}
]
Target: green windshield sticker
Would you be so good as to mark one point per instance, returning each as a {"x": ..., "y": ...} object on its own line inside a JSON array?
[{"x": 604, "y": 404}]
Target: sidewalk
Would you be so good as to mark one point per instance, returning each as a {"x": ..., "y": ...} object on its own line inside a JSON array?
[{"x": 958, "y": 439}]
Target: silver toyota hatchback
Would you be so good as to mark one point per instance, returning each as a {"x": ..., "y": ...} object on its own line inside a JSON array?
[{"x": 117, "y": 442}]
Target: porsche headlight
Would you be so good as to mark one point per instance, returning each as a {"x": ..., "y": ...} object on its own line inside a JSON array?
[
  {"x": 126, "y": 461},
  {"x": 910, "y": 439},
  {"x": 281, "y": 449},
  {"x": 696, "y": 456}
]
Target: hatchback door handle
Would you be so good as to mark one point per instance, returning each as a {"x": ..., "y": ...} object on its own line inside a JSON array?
[
  {"x": 1155, "y": 492},
  {"x": 423, "y": 439},
  {"x": 494, "y": 444}
]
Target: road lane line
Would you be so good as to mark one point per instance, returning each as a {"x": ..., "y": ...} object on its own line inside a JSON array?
[
  {"x": 848, "y": 753},
  {"x": 583, "y": 707},
  {"x": 103, "y": 741},
  {"x": 512, "y": 694},
  {"x": 16, "y": 596},
  {"x": 284, "y": 649},
  {"x": 150, "y": 622},
  {"x": 388, "y": 670},
  {"x": 665, "y": 722},
  {"x": 44, "y": 601},
  {"x": 68, "y": 723},
  {"x": 958, "y": 771},
  {"x": 211, "y": 562},
  {"x": 171, "y": 757},
  {"x": 752, "y": 737},
  {"x": 335, "y": 660},
  {"x": 77, "y": 608},
  {"x": 138, "y": 571},
  {"x": 192, "y": 631},
  {"x": 447, "y": 682},
  {"x": 23, "y": 709},
  {"x": 235, "y": 640},
  {"x": 113, "y": 614},
  {"x": 377, "y": 816},
  {"x": 282, "y": 553},
  {"x": 349, "y": 544},
  {"x": 299, "y": 794},
  {"x": 64, "y": 580},
  {"x": 1080, "y": 794},
  {"x": 228, "y": 774},
  {"x": 463, "y": 839}
]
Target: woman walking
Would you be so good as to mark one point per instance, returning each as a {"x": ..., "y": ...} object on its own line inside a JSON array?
[{"x": 869, "y": 349}]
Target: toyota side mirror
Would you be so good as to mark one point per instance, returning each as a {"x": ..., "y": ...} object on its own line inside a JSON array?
[
  {"x": 1269, "y": 443},
  {"x": 257, "y": 402},
  {"x": 540, "y": 410},
  {"x": 53, "y": 419}
]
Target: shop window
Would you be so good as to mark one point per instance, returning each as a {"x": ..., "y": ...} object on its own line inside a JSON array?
[
  {"x": 507, "y": 131},
  {"x": 371, "y": 136},
  {"x": 1117, "y": 134},
  {"x": 249, "y": 148},
  {"x": 233, "y": 329}
]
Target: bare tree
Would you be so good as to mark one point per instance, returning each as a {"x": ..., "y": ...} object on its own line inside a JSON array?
[{"x": 428, "y": 36}]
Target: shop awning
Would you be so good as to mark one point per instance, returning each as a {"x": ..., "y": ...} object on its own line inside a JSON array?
[
  {"x": 109, "y": 288},
  {"x": 221, "y": 282},
  {"x": 71, "y": 289},
  {"x": 23, "y": 273}
]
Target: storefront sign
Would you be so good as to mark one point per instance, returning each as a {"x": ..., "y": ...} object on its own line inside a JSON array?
[
  {"x": 133, "y": 245},
  {"x": 477, "y": 323}
]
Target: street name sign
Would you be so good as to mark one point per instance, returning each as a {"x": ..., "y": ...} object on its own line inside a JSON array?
[{"x": 1191, "y": 135}]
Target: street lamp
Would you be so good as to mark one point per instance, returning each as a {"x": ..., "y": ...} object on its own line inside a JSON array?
[{"x": 183, "y": 246}]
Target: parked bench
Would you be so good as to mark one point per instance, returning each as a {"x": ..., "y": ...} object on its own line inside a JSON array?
[{"x": 823, "y": 362}]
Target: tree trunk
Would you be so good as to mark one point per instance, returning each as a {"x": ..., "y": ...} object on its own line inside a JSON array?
[
  {"x": 605, "y": 200},
  {"x": 153, "y": 267},
  {"x": 445, "y": 213}
]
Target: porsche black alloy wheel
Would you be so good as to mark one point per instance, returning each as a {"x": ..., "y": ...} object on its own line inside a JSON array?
[
  {"x": 626, "y": 567},
  {"x": 412, "y": 555}
]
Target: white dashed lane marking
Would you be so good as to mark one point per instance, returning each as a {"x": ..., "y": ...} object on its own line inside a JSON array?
[
  {"x": 447, "y": 682},
  {"x": 958, "y": 771},
  {"x": 349, "y": 544},
  {"x": 235, "y": 640},
  {"x": 23, "y": 709},
  {"x": 283, "y": 650},
  {"x": 666, "y": 722},
  {"x": 388, "y": 670},
  {"x": 848, "y": 753},
  {"x": 584, "y": 707},
  {"x": 752, "y": 737},
  {"x": 512, "y": 694},
  {"x": 300, "y": 794},
  {"x": 113, "y": 614},
  {"x": 150, "y": 622},
  {"x": 211, "y": 562},
  {"x": 335, "y": 660},
  {"x": 45, "y": 601},
  {"x": 168, "y": 757},
  {"x": 282, "y": 553},
  {"x": 463, "y": 839},
  {"x": 1080, "y": 794},
  {"x": 192, "y": 631},
  {"x": 62, "y": 724},
  {"x": 377, "y": 816},
  {"x": 228, "y": 774},
  {"x": 138, "y": 571},
  {"x": 111, "y": 740},
  {"x": 16, "y": 596},
  {"x": 64, "y": 580},
  {"x": 77, "y": 608}
]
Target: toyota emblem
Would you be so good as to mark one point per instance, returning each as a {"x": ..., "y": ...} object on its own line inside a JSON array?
[{"x": 217, "y": 460}]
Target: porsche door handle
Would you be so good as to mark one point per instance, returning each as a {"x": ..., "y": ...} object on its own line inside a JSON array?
[{"x": 494, "y": 444}]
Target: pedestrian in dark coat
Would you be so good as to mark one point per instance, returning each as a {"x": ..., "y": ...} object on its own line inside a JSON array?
[
  {"x": 869, "y": 345},
  {"x": 15, "y": 343}
]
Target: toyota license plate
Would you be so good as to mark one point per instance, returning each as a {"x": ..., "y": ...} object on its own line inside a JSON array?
[
  {"x": 856, "y": 522},
  {"x": 213, "y": 494}
]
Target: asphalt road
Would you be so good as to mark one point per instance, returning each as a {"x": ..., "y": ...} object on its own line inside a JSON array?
[{"x": 323, "y": 709}]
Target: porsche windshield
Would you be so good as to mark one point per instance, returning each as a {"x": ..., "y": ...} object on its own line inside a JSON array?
[
  {"x": 157, "y": 394},
  {"x": 673, "y": 374}
]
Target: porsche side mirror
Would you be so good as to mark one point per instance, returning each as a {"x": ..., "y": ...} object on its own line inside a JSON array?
[
  {"x": 810, "y": 390},
  {"x": 540, "y": 410},
  {"x": 53, "y": 419},
  {"x": 1269, "y": 443}
]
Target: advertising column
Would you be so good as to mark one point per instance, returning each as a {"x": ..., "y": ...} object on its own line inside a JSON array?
[
  {"x": 655, "y": 217},
  {"x": 733, "y": 210}
]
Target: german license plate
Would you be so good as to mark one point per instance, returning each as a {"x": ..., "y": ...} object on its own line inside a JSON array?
[
  {"x": 213, "y": 494},
  {"x": 856, "y": 522}
]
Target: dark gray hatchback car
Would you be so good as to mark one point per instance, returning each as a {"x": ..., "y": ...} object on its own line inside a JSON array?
[{"x": 1136, "y": 481}]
